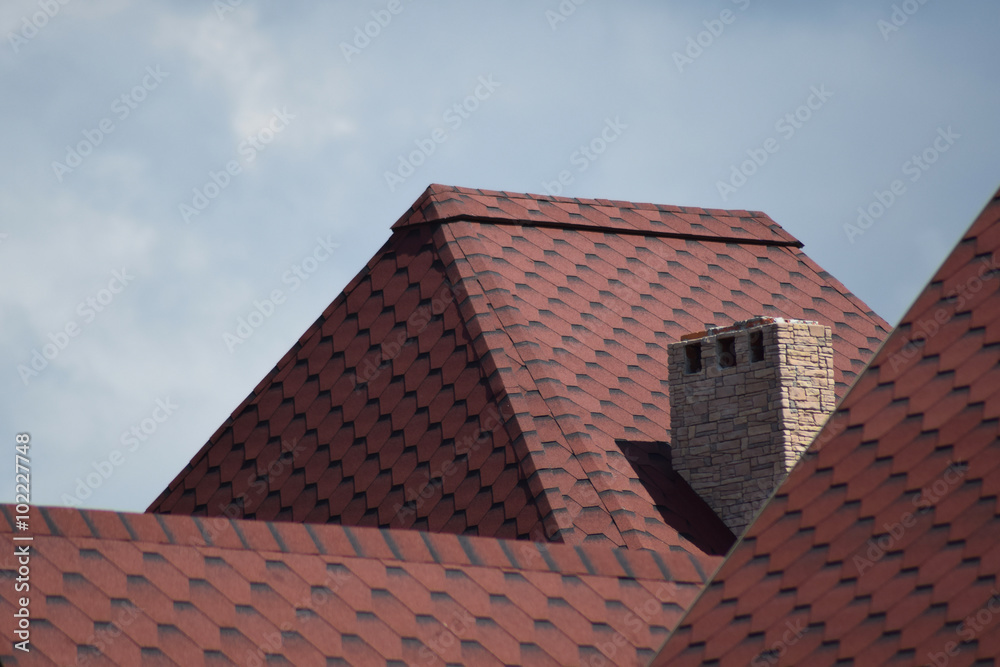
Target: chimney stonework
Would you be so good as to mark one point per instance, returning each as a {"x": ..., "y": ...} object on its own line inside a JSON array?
[{"x": 745, "y": 402}]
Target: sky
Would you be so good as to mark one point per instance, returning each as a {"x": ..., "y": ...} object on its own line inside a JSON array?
[{"x": 170, "y": 168}]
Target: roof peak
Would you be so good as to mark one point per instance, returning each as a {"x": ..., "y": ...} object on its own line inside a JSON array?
[
  {"x": 440, "y": 188},
  {"x": 444, "y": 203}
]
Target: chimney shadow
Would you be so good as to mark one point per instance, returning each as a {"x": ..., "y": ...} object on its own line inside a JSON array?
[{"x": 677, "y": 503}]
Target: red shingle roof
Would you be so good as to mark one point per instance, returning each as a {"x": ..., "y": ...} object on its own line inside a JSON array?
[
  {"x": 509, "y": 348},
  {"x": 512, "y": 349},
  {"x": 181, "y": 590},
  {"x": 881, "y": 547}
]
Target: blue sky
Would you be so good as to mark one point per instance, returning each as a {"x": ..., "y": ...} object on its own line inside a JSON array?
[{"x": 169, "y": 167}]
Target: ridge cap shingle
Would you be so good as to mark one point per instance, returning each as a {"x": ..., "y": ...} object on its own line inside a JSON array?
[{"x": 440, "y": 204}]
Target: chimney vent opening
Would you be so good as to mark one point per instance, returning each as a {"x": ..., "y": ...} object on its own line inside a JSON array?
[
  {"x": 693, "y": 352},
  {"x": 726, "y": 352},
  {"x": 756, "y": 340}
]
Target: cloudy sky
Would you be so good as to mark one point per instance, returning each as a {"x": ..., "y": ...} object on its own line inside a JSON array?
[{"x": 168, "y": 164}]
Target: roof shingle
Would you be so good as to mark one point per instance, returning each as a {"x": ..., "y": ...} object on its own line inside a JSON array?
[{"x": 885, "y": 532}]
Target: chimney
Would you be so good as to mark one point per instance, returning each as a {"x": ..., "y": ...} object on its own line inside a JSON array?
[{"x": 745, "y": 402}]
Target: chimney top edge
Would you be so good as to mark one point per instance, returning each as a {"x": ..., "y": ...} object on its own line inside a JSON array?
[{"x": 740, "y": 326}]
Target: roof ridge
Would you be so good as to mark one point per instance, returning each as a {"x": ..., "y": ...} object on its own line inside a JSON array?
[
  {"x": 795, "y": 243},
  {"x": 338, "y": 541},
  {"x": 439, "y": 188},
  {"x": 441, "y": 204}
]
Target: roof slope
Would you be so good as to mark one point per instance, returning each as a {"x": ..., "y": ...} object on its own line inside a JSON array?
[
  {"x": 115, "y": 588},
  {"x": 512, "y": 349},
  {"x": 356, "y": 423},
  {"x": 881, "y": 545}
]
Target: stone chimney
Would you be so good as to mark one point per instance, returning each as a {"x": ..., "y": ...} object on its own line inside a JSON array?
[{"x": 745, "y": 402}]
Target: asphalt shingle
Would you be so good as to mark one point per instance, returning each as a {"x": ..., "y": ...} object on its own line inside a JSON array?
[{"x": 886, "y": 531}]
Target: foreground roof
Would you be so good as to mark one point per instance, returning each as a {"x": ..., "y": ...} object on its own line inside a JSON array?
[
  {"x": 882, "y": 546},
  {"x": 499, "y": 368},
  {"x": 120, "y": 588}
]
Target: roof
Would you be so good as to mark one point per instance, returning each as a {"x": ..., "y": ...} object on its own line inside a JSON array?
[
  {"x": 175, "y": 590},
  {"x": 881, "y": 546},
  {"x": 499, "y": 368}
]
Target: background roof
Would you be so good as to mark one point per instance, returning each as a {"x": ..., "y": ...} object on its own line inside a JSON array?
[
  {"x": 881, "y": 546},
  {"x": 162, "y": 337},
  {"x": 555, "y": 313}
]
